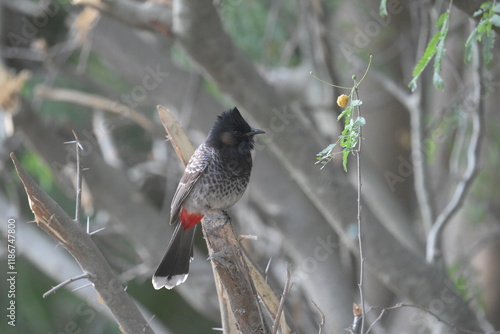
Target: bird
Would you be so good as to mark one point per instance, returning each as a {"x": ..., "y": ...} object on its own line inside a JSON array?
[{"x": 215, "y": 178}]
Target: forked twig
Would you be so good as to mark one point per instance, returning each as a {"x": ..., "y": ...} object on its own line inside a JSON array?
[{"x": 434, "y": 315}]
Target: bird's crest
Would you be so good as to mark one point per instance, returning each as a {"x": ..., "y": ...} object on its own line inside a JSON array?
[{"x": 232, "y": 120}]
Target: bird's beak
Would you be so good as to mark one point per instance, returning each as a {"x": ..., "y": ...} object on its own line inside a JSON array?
[{"x": 253, "y": 132}]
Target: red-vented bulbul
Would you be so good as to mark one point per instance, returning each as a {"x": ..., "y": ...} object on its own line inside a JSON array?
[{"x": 215, "y": 177}]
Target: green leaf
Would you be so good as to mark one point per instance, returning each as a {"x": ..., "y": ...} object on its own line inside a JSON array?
[
  {"x": 485, "y": 5},
  {"x": 383, "y": 8},
  {"x": 484, "y": 29},
  {"x": 488, "y": 43},
  {"x": 345, "y": 154},
  {"x": 347, "y": 111},
  {"x": 360, "y": 121},
  {"x": 436, "y": 44},
  {"x": 495, "y": 20},
  {"x": 469, "y": 45},
  {"x": 436, "y": 78},
  {"x": 326, "y": 150},
  {"x": 430, "y": 51},
  {"x": 443, "y": 19},
  {"x": 356, "y": 103}
]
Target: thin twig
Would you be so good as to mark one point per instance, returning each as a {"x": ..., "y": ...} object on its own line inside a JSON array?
[
  {"x": 473, "y": 153},
  {"x": 98, "y": 102},
  {"x": 322, "y": 315},
  {"x": 286, "y": 290},
  {"x": 434, "y": 315},
  {"x": 360, "y": 231},
  {"x": 63, "y": 284},
  {"x": 376, "y": 320}
]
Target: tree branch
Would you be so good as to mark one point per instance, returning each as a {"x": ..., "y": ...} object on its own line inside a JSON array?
[
  {"x": 150, "y": 15},
  {"x": 54, "y": 221},
  {"x": 232, "y": 272},
  {"x": 98, "y": 102},
  {"x": 473, "y": 155}
]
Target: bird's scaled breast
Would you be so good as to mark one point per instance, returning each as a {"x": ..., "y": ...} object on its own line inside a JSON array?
[{"x": 221, "y": 185}]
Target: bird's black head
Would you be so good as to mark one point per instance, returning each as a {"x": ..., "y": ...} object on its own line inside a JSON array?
[{"x": 231, "y": 131}]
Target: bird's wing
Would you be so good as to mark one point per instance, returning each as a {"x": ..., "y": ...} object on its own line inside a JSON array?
[{"x": 194, "y": 169}]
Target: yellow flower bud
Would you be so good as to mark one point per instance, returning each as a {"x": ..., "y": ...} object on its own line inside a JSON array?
[{"x": 343, "y": 100}]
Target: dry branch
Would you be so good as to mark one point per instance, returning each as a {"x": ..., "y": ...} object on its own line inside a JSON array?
[
  {"x": 98, "y": 102},
  {"x": 50, "y": 217}
]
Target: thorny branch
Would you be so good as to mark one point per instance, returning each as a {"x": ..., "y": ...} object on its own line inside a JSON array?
[{"x": 54, "y": 221}]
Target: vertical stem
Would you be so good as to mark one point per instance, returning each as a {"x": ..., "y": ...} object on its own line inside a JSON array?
[
  {"x": 360, "y": 232},
  {"x": 78, "y": 179}
]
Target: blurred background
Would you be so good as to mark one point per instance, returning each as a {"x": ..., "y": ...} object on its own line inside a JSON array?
[{"x": 100, "y": 68}]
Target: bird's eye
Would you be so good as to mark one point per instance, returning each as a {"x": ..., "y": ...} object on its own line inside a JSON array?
[{"x": 236, "y": 133}]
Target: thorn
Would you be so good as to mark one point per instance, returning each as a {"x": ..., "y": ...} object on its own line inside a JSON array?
[
  {"x": 148, "y": 322},
  {"x": 83, "y": 286},
  {"x": 98, "y": 230},
  {"x": 248, "y": 237},
  {"x": 268, "y": 265},
  {"x": 63, "y": 284}
]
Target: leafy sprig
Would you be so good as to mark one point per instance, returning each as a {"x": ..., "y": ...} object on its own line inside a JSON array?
[
  {"x": 353, "y": 121},
  {"x": 489, "y": 12},
  {"x": 434, "y": 48},
  {"x": 483, "y": 32}
]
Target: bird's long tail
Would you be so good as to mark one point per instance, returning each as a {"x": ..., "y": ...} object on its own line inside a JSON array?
[{"x": 174, "y": 268}]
